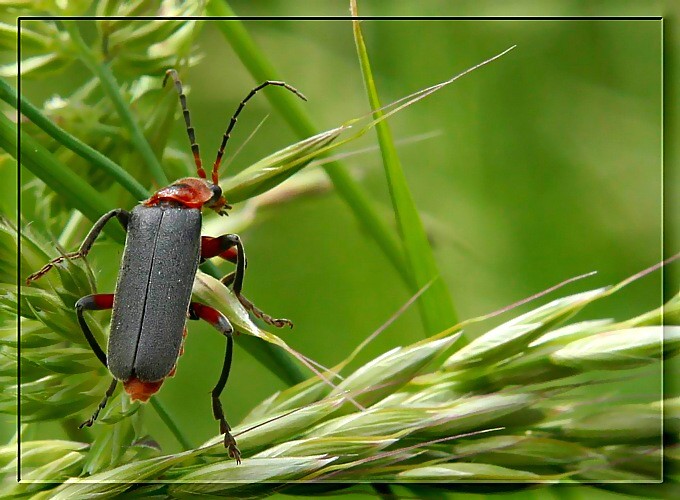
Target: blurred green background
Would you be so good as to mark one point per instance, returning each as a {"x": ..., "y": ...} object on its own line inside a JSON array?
[{"x": 538, "y": 167}]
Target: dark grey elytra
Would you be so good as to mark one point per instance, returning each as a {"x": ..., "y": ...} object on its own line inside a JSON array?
[{"x": 162, "y": 252}]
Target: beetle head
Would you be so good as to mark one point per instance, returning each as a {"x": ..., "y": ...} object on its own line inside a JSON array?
[
  {"x": 192, "y": 192},
  {"x": 217, "y": 202}
]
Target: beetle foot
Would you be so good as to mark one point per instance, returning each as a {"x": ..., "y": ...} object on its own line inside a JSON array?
[
  {"x": 259, "y": 313},
  {"x": 42, "y": 271},
  {"x": 281, "y": 322},
  {"x": 232, "y": 449},
  {"x": 102, "y": 405},
  {"x": 89, "y": 421}
]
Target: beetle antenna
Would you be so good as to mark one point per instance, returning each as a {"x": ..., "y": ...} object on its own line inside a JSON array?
[
  {"x": 234, "y": 119},
  {"x": 187, "y": 119}
]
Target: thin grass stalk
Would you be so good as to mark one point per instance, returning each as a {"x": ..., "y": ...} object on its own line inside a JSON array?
[
  {"x": 170, "y": 423},
  {"x": 46, "y": 167},
  {"x": 436, "y": 307},
  {"x": 112, "y": 89},
  {"x": 9, "y": 95}
]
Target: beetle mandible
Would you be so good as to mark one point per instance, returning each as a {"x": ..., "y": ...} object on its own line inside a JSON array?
[{"x": 152, "y": 299}]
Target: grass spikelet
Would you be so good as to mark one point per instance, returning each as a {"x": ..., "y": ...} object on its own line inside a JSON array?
[{"x": 411, "y": 431}]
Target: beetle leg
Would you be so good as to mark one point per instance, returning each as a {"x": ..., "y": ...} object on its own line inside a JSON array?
[
  {"x": 123, "y": 217},
  {"x": 222, "y": 325},
  {"x": 223, "y": 246},
  {"x": 95, "y": 303},
  {"x": 230, "y": 247},
  {"x": 109, "y": 393},
  {"x": 257, "y": 312}
]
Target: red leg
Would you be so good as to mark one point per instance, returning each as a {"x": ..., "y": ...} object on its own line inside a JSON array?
[{"x": 222, "y": 246}]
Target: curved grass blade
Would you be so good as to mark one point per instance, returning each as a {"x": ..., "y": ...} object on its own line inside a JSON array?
[
  {"x": 620, "y": 349},
  {"x": 274, "y": 169},
  {"x": 515, "y": 335},
  {"x": 462, "y": 471},
  {"x": 239, "y": 481},
  {"x": 9, "y": 95}
]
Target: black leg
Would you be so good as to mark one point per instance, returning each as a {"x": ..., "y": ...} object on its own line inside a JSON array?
[
  {"x": 222, "y": 325},
  {"x": 95, "y": 303},
  {"x": 109, "y": 393},
  {"x": 123, "y": 217}
]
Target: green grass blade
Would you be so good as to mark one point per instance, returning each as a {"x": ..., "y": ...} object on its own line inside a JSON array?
[
  {"x": 9, "y": 95},
  {"x": 170, "y": 423},
  {"x": 469, "y": 472},
  {"x": 276, "y": 168},
  {"x": 513, "y": 337},
  {"x": 55, "y": 174},
  {"x": 226, "y": 479},
  {"x": 110, "y": 86},
  {"x": 436, "y": 308},
  {"x": 291, "y": 111}
]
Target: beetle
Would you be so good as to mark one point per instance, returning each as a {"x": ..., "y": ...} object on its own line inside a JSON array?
[{"x": 152, "y": 298}]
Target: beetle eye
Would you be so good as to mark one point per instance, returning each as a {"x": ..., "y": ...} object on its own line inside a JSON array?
[{"x": 217, "y": 193}]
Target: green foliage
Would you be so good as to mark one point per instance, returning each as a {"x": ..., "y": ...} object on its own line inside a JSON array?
[
  {"x": 419, "y": 421},
  {"x": 537, "y": 398}
]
